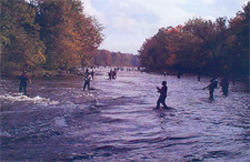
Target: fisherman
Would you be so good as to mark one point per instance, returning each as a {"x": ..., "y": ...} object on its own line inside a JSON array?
[
  {"x": 199, "y": 76},
  {"x": 87, "y": 79},
  {"x": 23, "y": 83},
  {"x": 110, "y": 74},
  {"x": 224, "y": 86},
  {"x": 92, "y": 73},
  {"x": 87, "y": 70},
  {"x": 216, "y": 81},
  {"x": 114, "y": 74},
  {"x": 211, "y": 87},
  {"x": 163, "y": 95},
  {"x": 179, "y": 74}
]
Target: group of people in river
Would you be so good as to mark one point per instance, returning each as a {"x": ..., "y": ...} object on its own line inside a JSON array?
[
  {"x": 89, "y": 76},
  {"x": 214, "y": 84},
  {"x": 211, "y": 87}
]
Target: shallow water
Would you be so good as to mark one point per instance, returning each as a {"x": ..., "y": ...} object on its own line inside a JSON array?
[{"x": 115, "y": 121}]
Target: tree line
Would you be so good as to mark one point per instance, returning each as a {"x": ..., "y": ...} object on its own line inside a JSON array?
[
  {"x": 219, "y": 47},
  {"x": 39, "y": 35},
  {"x": 107, "y": 58}
]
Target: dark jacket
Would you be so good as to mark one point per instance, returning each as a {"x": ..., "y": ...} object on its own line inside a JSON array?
[
  {"x": 163, "y": 91},
  {"x": 23, "y": 79}
]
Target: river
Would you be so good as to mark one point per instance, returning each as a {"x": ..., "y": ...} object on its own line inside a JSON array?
[{"x": 115, "y": 121}]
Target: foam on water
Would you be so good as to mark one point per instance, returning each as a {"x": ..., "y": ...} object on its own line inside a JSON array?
[
  {"x": 4, "y": 134},
  {"x": 20, "y": 98},
  {"x": 60, "y": 122}
]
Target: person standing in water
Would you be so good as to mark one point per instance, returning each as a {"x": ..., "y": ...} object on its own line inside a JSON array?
[
  {"x": 211, "y": 87},
  {"x": 179, "y": 74},
  {"x": 87, "y": 80},
  {"x": 23, "y": 83},
  {"x": 110, "y": 74},
  {"x": 92, "y": 73},
  {"x": 224, "y": 86},
  {"x": 199, "y": 76},
  {"x": 87, "y": 70},
  {"x": 163, "y": 95}
]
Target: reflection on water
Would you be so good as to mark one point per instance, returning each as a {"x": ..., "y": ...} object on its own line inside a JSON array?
[{"x": 115, "y": 121}]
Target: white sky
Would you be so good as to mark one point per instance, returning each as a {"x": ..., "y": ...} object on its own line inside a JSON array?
[{"x": 127, "y": 23}]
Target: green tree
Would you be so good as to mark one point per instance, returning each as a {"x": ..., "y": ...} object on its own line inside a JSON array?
[
  {"x": 213, "y": 47},
  {"x": 186, "y": 50},
  {"x": 70, "y": 37},
  {"x": 154, "y": 52},
  {"x": 238, "y": 42},
  {"x": 212, "y": 36},
  {"x": 21, "y": 48}
]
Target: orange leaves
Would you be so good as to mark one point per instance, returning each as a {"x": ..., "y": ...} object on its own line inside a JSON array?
[
  {"x": 75, "y": 36},
  {"x": 200, "y": 44}
]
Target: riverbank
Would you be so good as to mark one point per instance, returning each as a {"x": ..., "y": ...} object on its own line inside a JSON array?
[
  {"x": 233, "y": 79},
  {"x": 44, "y": 74}
]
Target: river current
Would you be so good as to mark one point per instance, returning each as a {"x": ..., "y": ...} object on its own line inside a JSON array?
[{"x": 115, "y": 120}]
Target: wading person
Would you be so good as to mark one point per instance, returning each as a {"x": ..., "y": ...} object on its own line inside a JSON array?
[
  {"x": 87, "y": 80},
  {"x": 211, "y": 87},
  {"x": 224, "y": 86},
  {"x": 163, "y": 95},
  {"x": 179, "y": 74},
  {"x": 87, "y": 70},
  {"x": 114, "y": 74},
  {"x": 23, "y": 83},
  {"x": 199, "y": 76},
  {"x": 92, "y": 73},
  {"x": 110, "y": 74}
]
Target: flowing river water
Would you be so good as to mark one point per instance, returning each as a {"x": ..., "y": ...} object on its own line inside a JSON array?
[{"x": 115, "y": 122}]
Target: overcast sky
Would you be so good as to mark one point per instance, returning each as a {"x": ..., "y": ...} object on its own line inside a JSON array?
[{"x": 127, "y": 23}]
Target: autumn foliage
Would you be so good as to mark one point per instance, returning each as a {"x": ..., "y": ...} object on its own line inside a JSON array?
[
  {"x": 218, "y": 47},
  {"x": 46, "y": 34},
  {"x": 107, "y": 58}
]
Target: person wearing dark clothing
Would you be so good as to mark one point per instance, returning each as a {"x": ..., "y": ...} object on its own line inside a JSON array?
[
  {"x": 110, "y": 74},
  {"x": 163, "y": 95},
  {"x": 179, "y": 75},
  {"x": 215, "y": 80},
  {"x": 211, "y": 87},
  {"x": 92, "y": 74},
  {"x": 87, "y": 79},
  {"x": 87, "y": 71},
  {"x": 114, "y": 74},
  {"x": 224, "y": 86},
  {"x": 199, "y": 76},
  {"x": 23, "y": 83}
]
